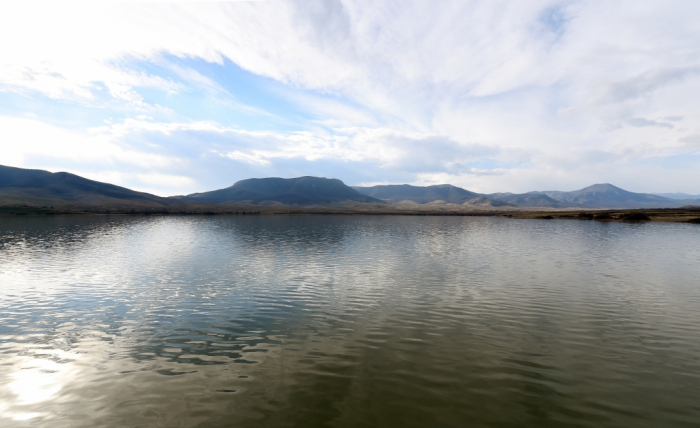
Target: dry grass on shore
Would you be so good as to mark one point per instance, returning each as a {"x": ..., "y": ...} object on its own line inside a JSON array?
[
  {"x": 677, "y": 215},
  {"x": 689, "y": 214}
]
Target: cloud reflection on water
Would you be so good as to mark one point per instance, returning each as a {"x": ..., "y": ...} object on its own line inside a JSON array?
[{"x": 261, "y": 321}]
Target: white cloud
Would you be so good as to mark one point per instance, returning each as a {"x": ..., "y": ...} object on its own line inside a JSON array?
[
  {"x": 641, "y": 122},
  {"x": 25, "y": 140},
  {"x": 566, "y": 88},
  {"x": 30, "y": 143},
  {"x": 385, "y": 147}
]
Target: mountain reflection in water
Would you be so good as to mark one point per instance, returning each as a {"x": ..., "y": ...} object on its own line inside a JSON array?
[{"x": 347, "y": 321}]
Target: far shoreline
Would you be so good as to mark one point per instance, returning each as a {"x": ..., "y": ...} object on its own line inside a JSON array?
[{"x": 675, "y": 215}]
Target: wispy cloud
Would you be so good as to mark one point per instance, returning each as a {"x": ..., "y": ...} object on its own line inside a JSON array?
[
  {"x": 640, "y": 122},
  {"x": 413, "y": 91}
]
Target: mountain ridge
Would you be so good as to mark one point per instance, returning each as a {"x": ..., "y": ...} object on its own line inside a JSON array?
[
  {"x": 606, "y": 195},
  {"x": 533, "y": 200},
  {"x": 292, "y": 191},
  {"x": 42, "y": 188},
  {"x": 678, "y": 195},
  {"x": 448, "y": 193},
  {"x": 63, "y": 188}
]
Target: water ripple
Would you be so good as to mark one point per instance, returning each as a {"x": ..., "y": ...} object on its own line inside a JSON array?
[{"x": 348, "y": 321}]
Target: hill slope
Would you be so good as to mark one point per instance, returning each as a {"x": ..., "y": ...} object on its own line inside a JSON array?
[
  {"x": 38, "y": 187},
  {"x": 609, "y": 196},
  {"x": 423, "y": 195},
  {"x": 530, "y": 200},
  {"x": 291, "y": 191},
  {"x": 678, "y": 195}
]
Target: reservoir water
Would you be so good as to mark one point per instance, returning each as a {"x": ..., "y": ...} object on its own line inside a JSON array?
[{"x": 348, "y": 321}]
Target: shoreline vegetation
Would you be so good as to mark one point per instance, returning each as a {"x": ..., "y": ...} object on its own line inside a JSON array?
[{"x": 690, "y": 214}]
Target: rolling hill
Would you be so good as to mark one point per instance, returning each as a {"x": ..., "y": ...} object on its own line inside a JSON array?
[
  {"x": 61, "y": 189},
  {"x": 38, "y": 188},
  {"x": 289, "y": 191},
  {"x": 530, "y": 200},
  {"x": 678, "y": 195},
  {"x": 609, "y": 196},
  {"x": 424, "y": 195}
]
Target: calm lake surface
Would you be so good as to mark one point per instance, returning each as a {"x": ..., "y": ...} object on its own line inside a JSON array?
[{"x": 357, "y": 321}]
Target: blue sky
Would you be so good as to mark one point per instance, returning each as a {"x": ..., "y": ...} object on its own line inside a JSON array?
[{"x": 178, "y": 97}]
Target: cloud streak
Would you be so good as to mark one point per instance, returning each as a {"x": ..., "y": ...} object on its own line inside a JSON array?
[{"x": 412, "y": 91}]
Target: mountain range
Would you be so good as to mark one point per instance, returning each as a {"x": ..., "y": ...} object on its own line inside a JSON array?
[
  {"x": 678, "y": 195},
  {"x": 445, "y": 193},
  {"x": 609, "y": 196},
  {"x": 530, "y": 200},
  {"x": 42, "y": 188},
  {"x": 62, "y": 189},
  {"x": 292, "y": 191}
]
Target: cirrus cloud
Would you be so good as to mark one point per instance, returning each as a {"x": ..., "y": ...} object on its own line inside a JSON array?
[{"x": 495, "y": 95}]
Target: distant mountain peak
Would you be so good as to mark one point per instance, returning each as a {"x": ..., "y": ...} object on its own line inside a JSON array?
[
  {"x": 606, "y": 195},
  {"x": 293, "y": 191},
  {"x": 601, "y": 187},
  {"x": 39, "y": 187},
  {"x": 420, "y": 194}
]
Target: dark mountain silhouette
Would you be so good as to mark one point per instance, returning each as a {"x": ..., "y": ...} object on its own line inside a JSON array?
[
  {"x": 20, "y": 186},
  {"x": 530, "y": 200},
  {"x": 38, "y": 187},
  {"x": 423, "y": 195},
  {"x": 595, "y": 196},
  {"x": 292, "y": 191},
  {"x": 609, "y": 196}
]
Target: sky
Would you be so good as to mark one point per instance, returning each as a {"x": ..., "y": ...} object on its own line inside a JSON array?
[{"x": 493, "y": 96}]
